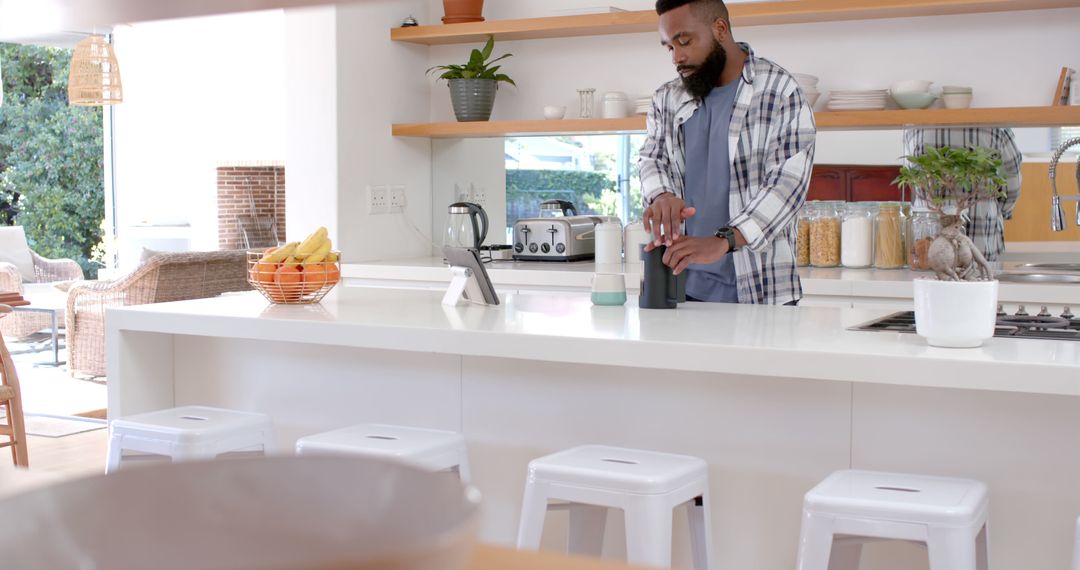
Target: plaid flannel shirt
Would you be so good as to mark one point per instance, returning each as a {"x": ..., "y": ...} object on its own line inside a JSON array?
[
  {"x": 771, "y": 152},
  {"x": 986, "y": 218}
]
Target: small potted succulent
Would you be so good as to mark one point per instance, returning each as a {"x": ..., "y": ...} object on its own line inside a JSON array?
[
  {"x": 473, "y": 85},
  {"x": 957, "y": 307}
]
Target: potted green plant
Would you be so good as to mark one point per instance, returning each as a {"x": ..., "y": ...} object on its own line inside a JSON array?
[
  {"x": 956, "y": 308},
  {"x": 473, "y": 85}
]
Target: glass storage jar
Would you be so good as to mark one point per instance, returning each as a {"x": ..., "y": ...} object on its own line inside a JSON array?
[
  {"x": 825, "y": 235},
  {"x": 889, "y": 250},
  {"x": 857, "y": 235},
  {"x": 802, "y": 237},
  {"x": 925, "y": 226}
]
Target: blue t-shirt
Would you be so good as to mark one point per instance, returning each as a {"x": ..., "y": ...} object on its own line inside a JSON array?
[{"x": 707, "y": 181}]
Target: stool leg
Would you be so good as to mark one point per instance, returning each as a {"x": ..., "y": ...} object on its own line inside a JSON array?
[
  {"x": 697, "y": 511},
  {"x": 533, "y": 511},
  {"x": 815, "y": 542},
  {"x": 951, "y": 549},
  {"x": 463, "y": 471},
  {"x": 648, "y": 533},
  {"x": 586, "y": 534},
  {"x": 114, "y": 454},
  {"x": 982, "y": 548}
]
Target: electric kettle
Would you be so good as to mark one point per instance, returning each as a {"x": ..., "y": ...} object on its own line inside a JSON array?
[
  {"x": 557, "y": 208},
  {"x": 466, "y": 225}
]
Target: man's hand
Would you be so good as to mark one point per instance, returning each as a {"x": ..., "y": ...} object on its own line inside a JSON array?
[
  {"x": 689, "y": 250},
  {"x": 667, "y": 210}
]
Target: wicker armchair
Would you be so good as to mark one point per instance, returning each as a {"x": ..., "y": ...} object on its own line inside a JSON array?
[
  {"x": 165, "y": 277},
  {"x": 19, "y": 324}
]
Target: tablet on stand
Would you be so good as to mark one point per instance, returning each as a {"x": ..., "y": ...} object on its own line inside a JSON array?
[{"x": 470, "y": 280}]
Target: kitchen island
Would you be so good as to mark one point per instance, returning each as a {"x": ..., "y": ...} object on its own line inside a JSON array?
[{"x": 774, "y": 398}]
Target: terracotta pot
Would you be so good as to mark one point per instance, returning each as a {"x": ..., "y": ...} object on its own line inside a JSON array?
[{"x": 460, "y": 11}]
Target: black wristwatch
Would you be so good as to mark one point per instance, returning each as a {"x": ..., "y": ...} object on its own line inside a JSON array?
[{"x": 728, "y": 234}]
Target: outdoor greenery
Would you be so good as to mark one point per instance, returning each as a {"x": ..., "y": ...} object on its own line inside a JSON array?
[
  {"x": 525, "y": 189},
  {"x": 51, "y": 157},
  {"x": 951, "y": 176},
  {"x": 478, "y": 66}
]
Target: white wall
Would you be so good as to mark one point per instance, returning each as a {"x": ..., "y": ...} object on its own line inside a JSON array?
[{"x": 196, "y": 92}]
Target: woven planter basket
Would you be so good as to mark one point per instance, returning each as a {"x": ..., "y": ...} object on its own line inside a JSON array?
[{"x": 94, "y": 76}]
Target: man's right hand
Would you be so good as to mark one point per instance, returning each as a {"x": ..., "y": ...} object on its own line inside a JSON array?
[{"x": 667, "y": 211}]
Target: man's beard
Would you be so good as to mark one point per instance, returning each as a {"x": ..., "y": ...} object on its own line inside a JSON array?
[{"x": 707, "y": 74}]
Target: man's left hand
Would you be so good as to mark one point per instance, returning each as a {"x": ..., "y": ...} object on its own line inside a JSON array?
[{"x": 688, "y": 250}]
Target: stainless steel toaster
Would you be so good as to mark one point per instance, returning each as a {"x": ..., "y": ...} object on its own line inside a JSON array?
[{"x": 570, "y": 238}]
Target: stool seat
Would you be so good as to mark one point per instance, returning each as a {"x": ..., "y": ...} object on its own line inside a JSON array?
[
  {"x": 188, "y": 423},
  {"x": 899, "y": 497},
  {"x": 950, "y": 515},
  {"x": 434, "y": 450},
  {"x": 620, "y": 469},
  {"x": 188, "y": 432}
]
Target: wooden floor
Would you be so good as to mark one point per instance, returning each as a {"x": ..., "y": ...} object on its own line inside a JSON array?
[{"x": 64, "y": 457}]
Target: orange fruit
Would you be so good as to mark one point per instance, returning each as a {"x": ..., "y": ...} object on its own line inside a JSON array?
[
  {"x": 263, "y": 272},
  {"x": 314, "y": 277},
  {"x": 287, "y": 284}
]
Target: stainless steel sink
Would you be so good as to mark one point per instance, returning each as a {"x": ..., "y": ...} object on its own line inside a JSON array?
[
  {"x": 1054, "y": 266},
  {"x": 1052, "y": 278}
]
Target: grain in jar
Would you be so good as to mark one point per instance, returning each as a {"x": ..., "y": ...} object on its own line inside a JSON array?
[
  {"x": 857, "y": 235},
  {"x": 802, "y": 237},
  {"x": 825, "y": 236},
  {"x": 889, "y": 250}
]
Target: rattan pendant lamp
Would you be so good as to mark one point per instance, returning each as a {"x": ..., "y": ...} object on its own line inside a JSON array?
[{"x": 94, "y": 76}]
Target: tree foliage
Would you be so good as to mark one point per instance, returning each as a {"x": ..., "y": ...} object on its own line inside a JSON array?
[
  {"x": 51, "y": 156},
  {"x": 525, "y": 189},
  {"x": 951, "y": 176}
]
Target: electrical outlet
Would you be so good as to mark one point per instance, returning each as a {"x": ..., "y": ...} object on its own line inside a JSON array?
[
  {"x": 378, "y": 200},
  {"x": 397, "y": 199},
  {"x": 479, "y": 196}
]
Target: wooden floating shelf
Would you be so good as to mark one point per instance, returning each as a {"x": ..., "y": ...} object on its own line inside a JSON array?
[
  {"x": 826, "y": 120},
  {"x": 742, "y": 15}
]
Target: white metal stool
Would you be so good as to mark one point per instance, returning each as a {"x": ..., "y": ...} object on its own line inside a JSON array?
[
  {"x": 188, "y": 432},
  {"x": 949, "y": 515},
  {"x": 646, "y": 485},
  {"x": 1076, "y": 548},
  {"x": 434, "y": 450}
]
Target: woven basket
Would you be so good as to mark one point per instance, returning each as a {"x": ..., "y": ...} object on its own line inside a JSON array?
[{"x": 293, "y": 284}]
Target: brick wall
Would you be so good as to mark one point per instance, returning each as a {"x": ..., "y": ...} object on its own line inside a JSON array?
[{"x": 237, "y": 187}]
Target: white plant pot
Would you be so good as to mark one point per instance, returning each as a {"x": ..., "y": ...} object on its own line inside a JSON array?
[{"x": 955, "y": 314}]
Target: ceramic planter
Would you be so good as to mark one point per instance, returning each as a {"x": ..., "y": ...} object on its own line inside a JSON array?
[
  {"x": 461, "y": 11},
  {"x": 473, "y": 99},
  {"x": 955, "y": 314}
]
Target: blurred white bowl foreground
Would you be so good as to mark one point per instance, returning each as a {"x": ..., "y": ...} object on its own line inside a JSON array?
[
  {"x": 910, "y": 86},
  {"x": 265, "y": 513}
]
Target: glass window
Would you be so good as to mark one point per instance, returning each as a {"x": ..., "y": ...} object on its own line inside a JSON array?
[{"x": 598, "y": 173}]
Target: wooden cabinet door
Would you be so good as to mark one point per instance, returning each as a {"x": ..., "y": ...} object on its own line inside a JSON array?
[
  {"x": 872, "y": 184},
  {"x": 827, "y": 182}
]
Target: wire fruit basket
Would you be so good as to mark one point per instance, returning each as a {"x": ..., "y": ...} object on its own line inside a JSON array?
[{"x": 298, "y": 283}]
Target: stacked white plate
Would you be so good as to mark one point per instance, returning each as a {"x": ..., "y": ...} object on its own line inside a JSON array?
[
  {"x": 642, "y": 105},
  {"x": 857, "y": 100},
  {"x": 809, "y": 86}
]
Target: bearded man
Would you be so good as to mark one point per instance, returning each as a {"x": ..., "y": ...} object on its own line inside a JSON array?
[{"x": 728, "y": 154}]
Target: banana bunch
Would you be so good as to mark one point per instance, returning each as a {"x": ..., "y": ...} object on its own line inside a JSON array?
[{"x": 314, "y": 249}]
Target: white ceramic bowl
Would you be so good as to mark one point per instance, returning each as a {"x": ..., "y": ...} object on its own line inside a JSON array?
[
  {"x": 955, "y": 89},
  {"x": 805, "y": 80},
  {"x": 554, "y": 112},
  {"x": 956, "y": 100},
  {"x": 811, "y": 97},
  {"x": 279, "y": 512},
  {"x": 910, "y": 86}
]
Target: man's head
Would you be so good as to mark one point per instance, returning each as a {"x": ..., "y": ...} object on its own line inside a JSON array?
[{"x": 696, "y": 33}]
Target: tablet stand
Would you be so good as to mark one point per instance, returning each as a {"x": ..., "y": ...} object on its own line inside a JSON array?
[{"x": 463, "y": 286}]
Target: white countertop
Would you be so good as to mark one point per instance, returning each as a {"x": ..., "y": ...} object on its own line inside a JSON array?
[
  {"x": 577, "y": 275},
  {"x": 803, "y": 342}
]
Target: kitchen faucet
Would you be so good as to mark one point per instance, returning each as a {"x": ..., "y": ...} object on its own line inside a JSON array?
[{"x": 1057, "y": 215}]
